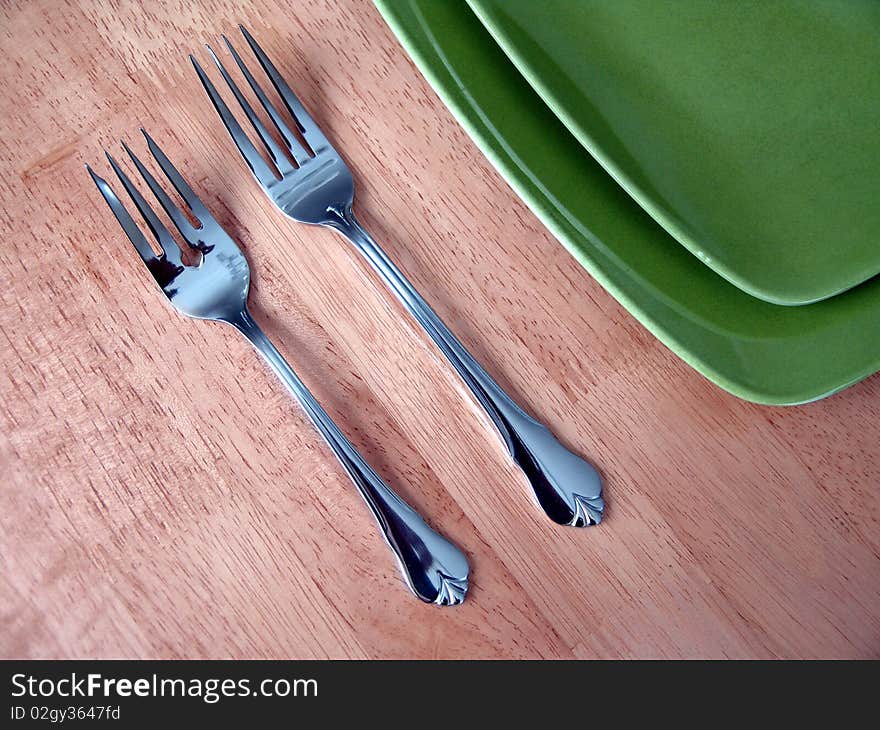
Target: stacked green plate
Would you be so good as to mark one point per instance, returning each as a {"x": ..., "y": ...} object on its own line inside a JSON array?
[
  {"x": 757, "y": 350},
  {"x": 750, "y": 130}
]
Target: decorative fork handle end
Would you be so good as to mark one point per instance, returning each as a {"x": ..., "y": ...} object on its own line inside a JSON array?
[
  {"x": 567, "y": 488},
  {"x": 435, "y": 569}
]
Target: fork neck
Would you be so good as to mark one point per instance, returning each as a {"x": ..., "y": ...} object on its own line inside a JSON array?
[
  {"x": 343, "y": 220},
  {"x": 244, "y": 323},
  {"x": 346, "y": 223}
]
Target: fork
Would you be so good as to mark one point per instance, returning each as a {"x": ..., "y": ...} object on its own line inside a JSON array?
[
  {"x": 217, "y": 289},
  {"x": 310, "y": 183}
]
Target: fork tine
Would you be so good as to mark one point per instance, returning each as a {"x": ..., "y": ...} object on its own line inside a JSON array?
[
  {"x": 163, "y": 236},
  {"x": 132, "y": 230},
  {"x": 193, "y": 202},
  {"x": 307, "y": 126},
  {"x": 275, "y": 152},
  {"x": 177, "y": 217},
  {"x": 252, "y": 157},
  {"x": 293, "y": 144}
]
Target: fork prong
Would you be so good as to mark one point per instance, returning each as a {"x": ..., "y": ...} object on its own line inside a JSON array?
[
  {"x": 300, "y": 154},
  {"x": 275, "y": 152},
  {"x": 193, "y": 202},
  {"x": 177, "y": 217},
  {"x": 163, "y": 236},
  {"x": 132, "y": 230},
  {"x": 310, "y": 131},
  {"x": 259, "y": 167}
]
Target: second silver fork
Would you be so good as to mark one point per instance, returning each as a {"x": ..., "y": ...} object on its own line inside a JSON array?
[
  {"x": 314, "y": 185},
  {"x": 217, "y": 289}
]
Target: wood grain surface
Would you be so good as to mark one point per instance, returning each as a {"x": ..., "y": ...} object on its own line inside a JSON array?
[{"x": 162, "y": 496}]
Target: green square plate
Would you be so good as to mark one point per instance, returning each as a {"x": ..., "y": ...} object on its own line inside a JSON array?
[
  {"x": 758, "y": 351},
  {"x": 749, "y": 129}
]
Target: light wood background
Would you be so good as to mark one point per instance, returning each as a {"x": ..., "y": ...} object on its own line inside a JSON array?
[{"x": 163, "y": 497}]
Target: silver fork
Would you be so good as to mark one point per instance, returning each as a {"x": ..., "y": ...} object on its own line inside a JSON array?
[
  {"x": 216, "y": 289},
  {"x": 314, "y": 185}
]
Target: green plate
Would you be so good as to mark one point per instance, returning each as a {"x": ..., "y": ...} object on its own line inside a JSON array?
[
  {"x": 749, "y": 130},
  {"x": 758, "y": 351}
]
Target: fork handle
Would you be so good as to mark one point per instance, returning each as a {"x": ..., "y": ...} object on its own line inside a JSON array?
[
  {"x": 566, "y": 487},
  {"x": 434, "y": 569}
]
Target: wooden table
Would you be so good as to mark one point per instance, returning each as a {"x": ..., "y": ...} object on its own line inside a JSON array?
[{"x": 163, "y": 497}]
